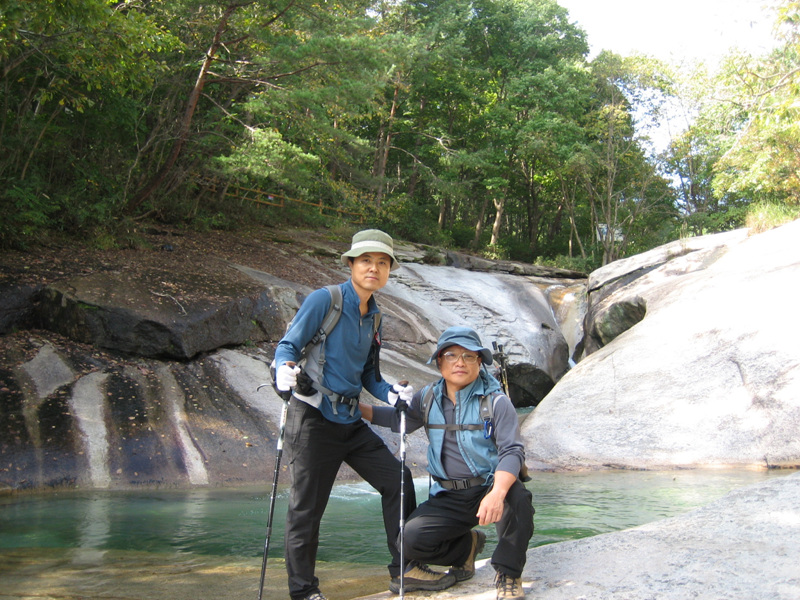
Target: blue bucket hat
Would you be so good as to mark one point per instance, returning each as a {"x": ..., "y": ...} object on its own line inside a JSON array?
[{"x": 464, "y": 337}]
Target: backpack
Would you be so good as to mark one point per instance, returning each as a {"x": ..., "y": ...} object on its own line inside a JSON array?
[{"x": 306, "y": 385}]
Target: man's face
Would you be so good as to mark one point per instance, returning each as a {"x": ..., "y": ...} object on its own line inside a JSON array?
[
  {"x": 370, "y": 271},
  {"x": 459, "y": 366}
]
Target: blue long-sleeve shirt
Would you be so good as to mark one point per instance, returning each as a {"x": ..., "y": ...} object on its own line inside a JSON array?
[{"x": 348, "y": 368}]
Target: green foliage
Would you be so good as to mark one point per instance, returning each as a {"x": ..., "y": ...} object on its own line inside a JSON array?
[
  {"x": 762, "y": 160},
  {"x": 266, "y": 155},
  {"x": 474, "y": 124},
  {"x": 71, "y": 72},
  {"x": 26, "y": 212},
  {"x": 462, "y": 234},
  {"x": 742, "y": 147},
  {"x": 581, "y": 265},
  {"x": 764, "y": 216},
  {"x": 406, "y": 219},
  {"x": 495, "y": 252}
]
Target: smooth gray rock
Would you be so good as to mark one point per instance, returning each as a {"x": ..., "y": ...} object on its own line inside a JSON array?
[
  {"x": 507, "y": 309},
  {"x": 710, "y": 376}
]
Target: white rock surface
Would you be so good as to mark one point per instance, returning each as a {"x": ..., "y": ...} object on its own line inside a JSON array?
[{"x": 709, "y": 377}]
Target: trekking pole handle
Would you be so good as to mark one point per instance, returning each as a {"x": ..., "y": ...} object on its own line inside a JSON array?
[
  {"x": 287, "y": 395},
  {"x": 401, "y": 404}
]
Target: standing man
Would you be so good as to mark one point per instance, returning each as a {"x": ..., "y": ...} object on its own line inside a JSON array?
[
  {"x": 475, "y": 459},
  {"x": 324, "y": 426}
]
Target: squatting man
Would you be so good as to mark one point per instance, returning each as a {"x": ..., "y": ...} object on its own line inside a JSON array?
[{"x": 475, "y": 465}]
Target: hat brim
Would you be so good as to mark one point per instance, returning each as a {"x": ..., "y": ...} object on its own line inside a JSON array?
[{"x": 359, "y": 249}]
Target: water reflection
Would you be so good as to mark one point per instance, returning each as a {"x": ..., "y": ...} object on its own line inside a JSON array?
[
  {"x": 231, "y": 522},
  {"x": 94, "y": 529}
]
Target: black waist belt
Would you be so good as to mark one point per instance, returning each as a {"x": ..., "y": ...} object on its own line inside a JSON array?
[{"x": 460, "y": 484}]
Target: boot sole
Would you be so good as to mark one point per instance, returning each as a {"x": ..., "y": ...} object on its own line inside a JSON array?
[{"x": 423, "y": 586}]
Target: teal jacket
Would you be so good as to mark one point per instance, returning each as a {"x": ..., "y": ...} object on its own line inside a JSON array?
[{"x": 504, "y": 450}]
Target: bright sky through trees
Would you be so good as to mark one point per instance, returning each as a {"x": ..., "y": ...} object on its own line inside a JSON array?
[
  {"x": 675, "y": 30},
  {"x": 678, "y": 31}
]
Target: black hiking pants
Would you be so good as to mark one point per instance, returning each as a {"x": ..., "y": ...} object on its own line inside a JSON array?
[
  {"x": 316, "y": 448},
  {"x": 438, "y": 532}
]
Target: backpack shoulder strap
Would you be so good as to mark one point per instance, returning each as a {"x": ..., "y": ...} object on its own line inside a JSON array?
[
  {"x": 331, "y": 317},
  {"x": 425, "y": 405},
  {"x": 376, "y": 323},
  {"x": 376, "y": 345},
  {"x": 487, "y": 413},
  {"x": 315, "y": 348},
  {"x": 487, "y": 406},
  {"x": 327, "y": 325}
]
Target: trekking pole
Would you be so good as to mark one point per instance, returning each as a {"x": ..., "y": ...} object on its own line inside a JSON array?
[
  {"x": 285, "y": 396},
  {"x": 501, "y": 358},
  {"x": 402, "y": 406}
]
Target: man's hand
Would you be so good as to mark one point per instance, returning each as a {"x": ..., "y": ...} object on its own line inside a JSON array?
[
  {"x": 286, "y": 377},
  {"x": 402, "y": 392},
  {"x": 491, "y": 508}
]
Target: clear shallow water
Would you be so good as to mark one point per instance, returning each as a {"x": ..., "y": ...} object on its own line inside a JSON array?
[{"x": 232, "y": 522}]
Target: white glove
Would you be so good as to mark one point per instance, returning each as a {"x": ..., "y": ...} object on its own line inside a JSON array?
[
  {"x": 399, "y": 392},
  {"x": 286, "y": 377}
]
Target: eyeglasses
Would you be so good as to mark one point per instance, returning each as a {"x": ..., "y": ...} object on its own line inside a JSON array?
[{"x": 469, "y": 359}]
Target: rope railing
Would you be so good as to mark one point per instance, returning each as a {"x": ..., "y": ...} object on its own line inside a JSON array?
[{"x": 240, "y": 192}]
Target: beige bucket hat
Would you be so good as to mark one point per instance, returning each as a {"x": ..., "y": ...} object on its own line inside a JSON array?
[{"x": 371, "y": 240}]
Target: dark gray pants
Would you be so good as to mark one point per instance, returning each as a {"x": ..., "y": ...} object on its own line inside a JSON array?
[
  {"x": 438, "y": 532},
  {"x": 316, "y": 448}
]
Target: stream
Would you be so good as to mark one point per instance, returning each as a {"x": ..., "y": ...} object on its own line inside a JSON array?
[{"x": 82, "y": 543}]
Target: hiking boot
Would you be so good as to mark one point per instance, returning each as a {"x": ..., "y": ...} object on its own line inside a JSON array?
[
  {"x": 421, "y": 577},
  {"x": 508, "y": 587},
  {"x": 467, "y": 570}
]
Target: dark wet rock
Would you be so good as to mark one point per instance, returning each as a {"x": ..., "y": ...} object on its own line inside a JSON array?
[
  {"x": 17, "y": 306},
  {"x": 611, "y": 320},
  {"x": 166, "y": 315},
  {"x": 476, "y": 263},
  {"x": 528, "y": 385}
]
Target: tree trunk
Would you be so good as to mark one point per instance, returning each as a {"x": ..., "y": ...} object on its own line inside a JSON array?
[
  {"x": 384, "y": 144},
  {"x": 479, "y": 226},
  {"x": 569, "y": 201},
  {"x": 499, "y": 205},
  {"x": 444, "y": 209},
  {"x": 186, "y": 122}
]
